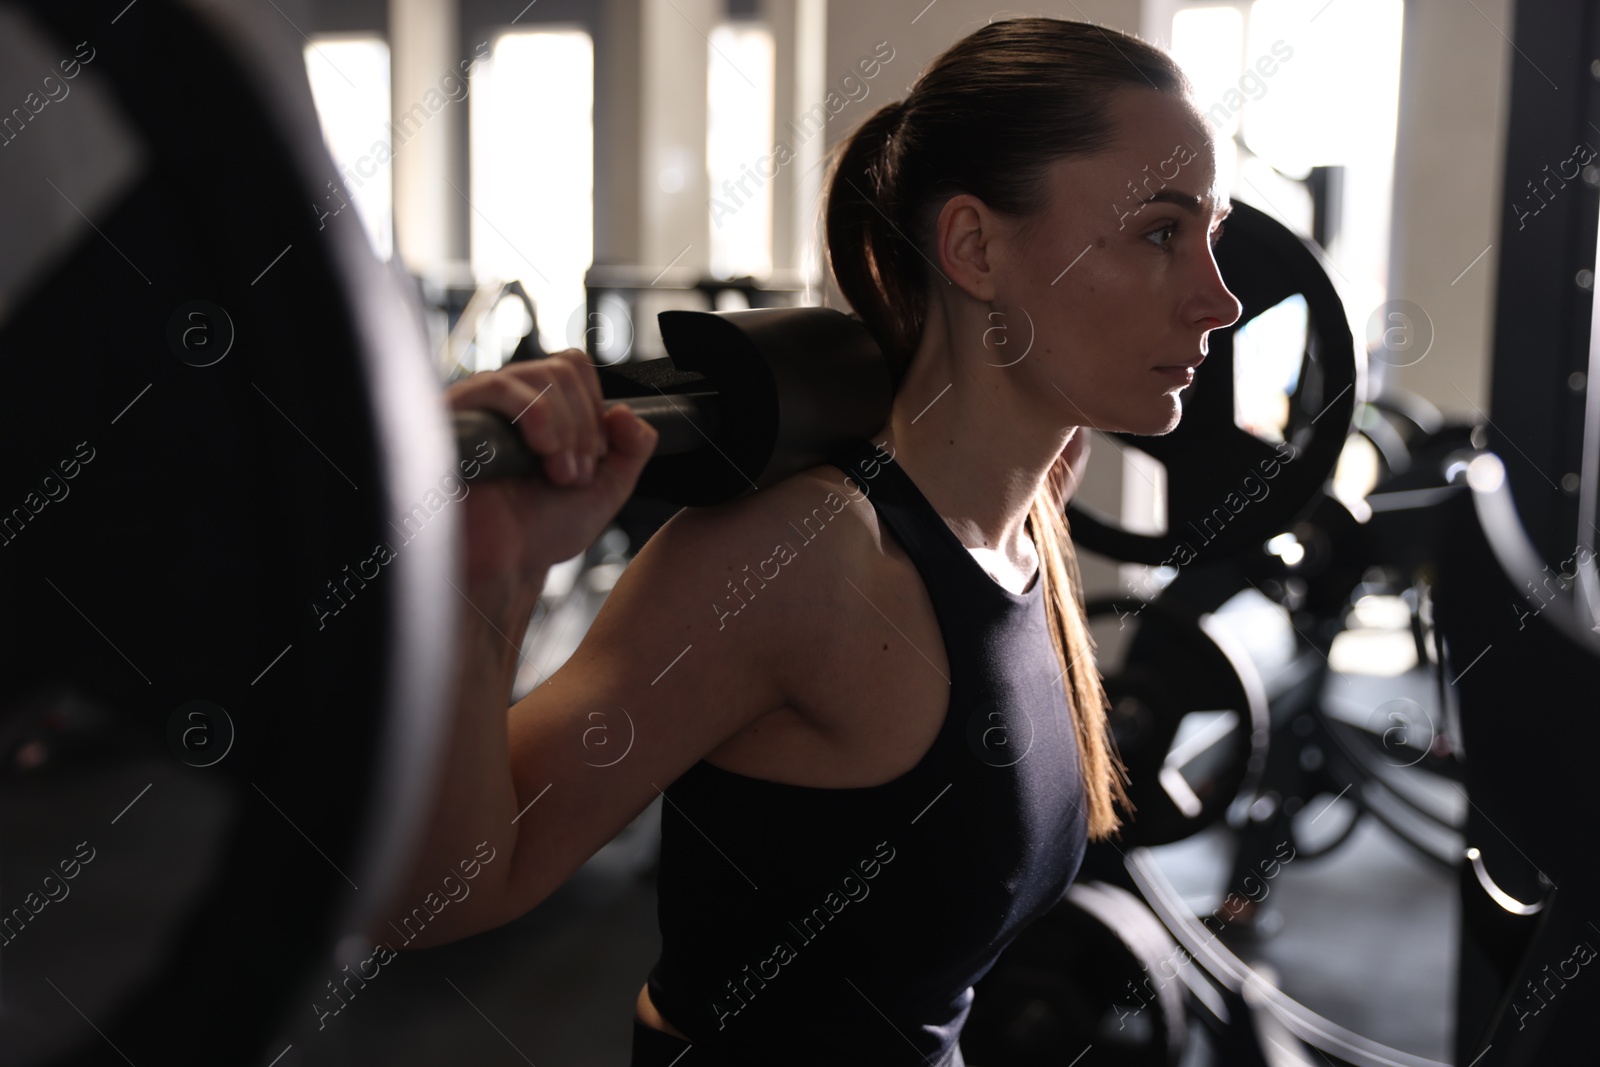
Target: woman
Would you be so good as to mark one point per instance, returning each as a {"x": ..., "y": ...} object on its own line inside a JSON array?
[{"x": 867, "y": 693}]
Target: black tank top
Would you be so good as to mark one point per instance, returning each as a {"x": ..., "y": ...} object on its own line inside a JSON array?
[{"x": 805, "y": 925}]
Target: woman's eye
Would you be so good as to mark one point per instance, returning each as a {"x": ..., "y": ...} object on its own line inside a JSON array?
[{"x": 1161, "y": 237}]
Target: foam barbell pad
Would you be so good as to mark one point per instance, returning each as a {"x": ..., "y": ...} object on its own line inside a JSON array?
[{"x": 742, "y": 400}]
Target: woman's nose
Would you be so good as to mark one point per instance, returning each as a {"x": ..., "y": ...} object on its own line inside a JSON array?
[{"x": 1218, "y": 306}]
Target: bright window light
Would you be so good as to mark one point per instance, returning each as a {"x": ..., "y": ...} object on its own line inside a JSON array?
[
  {"x": 350, "y": 84},
  {"x": 1208, "y": 43},
  {"x": 739, "y": 142},
  {"x": 1267, "y": 353},
  {"x": 1335, "y": 101},
  {"x": 1356, "y": 474},
  {"x": 1315, "y": 85},
  {"x": 1373, "y": 652},
  {"x": 532, "y": 188}
]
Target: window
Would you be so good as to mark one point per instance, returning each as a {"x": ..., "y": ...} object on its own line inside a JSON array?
[
  {"x": 1288, "y": 86},
  {"x": 739, "y": 140},
  {"x": 1336, "y": 103},
  {"x": 1208, "y": 42},
  {"x": 532, "y": 194},
  {"x": 350, "y": 85}
]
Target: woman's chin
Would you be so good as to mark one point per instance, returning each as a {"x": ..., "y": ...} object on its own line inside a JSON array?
[
  {"x": 1160, "y": 419},
  {"x": 1151, "y": 420}
]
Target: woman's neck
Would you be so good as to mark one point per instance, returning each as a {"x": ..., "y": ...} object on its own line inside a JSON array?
[{"x": 961, "y": 431}]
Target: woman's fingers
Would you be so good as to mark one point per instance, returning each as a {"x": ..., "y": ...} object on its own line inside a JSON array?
[
  {"x": 537, "y": 409},
  {"x": 632, "y": 441},
  {"x": 582, "y": 405},
  {"x": 590, "y": 378},
  {"x": 557, "y": 405},
  {"x": 548, "y": 403}
]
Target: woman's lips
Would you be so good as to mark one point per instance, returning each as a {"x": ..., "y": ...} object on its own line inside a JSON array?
[{"x": 1182, "y": 373}]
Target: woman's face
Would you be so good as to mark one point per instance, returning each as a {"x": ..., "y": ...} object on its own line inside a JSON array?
[{"x": 1117, "y": 274}]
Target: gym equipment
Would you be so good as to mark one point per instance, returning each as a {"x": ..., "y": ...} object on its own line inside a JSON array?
[
  {"x": 1516, "y": 923},
  {"x": 1527, "y": 893},
  {"x": 1379, "y": 760},
  {"x": 474, "y": 315},
  {"x": 1397, "y": 422},
  {"x": 744, "y": 400},
  {"x": 1189, "y": 713},
  {"x": 1527, "y": 645},
  {"x": 216, "y": 404},
  {"x": 1217, "y": 470},
  {"x": 1239, "y": 1004},
  {"x": 621, "y": 300},
  {"x": 1097, "y": 969},
  {"x": 685, "y": 422},
  {"x": 1318, "y": 746}
]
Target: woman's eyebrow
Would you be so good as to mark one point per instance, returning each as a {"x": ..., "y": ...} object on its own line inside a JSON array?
[{"x": 1194, "y": 205}]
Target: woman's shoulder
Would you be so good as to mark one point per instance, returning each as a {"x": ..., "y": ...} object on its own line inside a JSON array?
[{"x": 814, "y": 523}]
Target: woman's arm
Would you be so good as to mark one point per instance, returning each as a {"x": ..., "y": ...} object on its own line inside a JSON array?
[
  {"x": 658, "y": 682},
  {"x": 515, "y": 530},
  {"x": 661, "y": 678}
]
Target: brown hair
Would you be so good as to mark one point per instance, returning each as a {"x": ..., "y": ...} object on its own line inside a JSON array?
[{"x": 987, "y": 117}]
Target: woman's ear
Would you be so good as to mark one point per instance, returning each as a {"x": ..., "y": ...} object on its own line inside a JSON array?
[{"x": 964, "y": 242}]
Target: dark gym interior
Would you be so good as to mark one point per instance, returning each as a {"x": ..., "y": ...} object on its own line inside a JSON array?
[{"x": 247, "y": 244}]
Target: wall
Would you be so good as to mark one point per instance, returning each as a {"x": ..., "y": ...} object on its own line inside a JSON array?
[{"x": 1454, "y": 90}]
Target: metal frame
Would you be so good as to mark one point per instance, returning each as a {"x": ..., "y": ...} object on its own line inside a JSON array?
[{"x": 1543, "y": 315}]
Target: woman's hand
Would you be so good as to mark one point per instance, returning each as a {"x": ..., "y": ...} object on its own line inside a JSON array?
[{"x": 518, "y": 528}]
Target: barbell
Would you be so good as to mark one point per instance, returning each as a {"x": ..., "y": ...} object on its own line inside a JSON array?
[{"x": 742, "y": 400}]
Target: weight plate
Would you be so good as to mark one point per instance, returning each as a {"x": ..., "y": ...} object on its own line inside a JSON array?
[
  {"x": 1188, "y": 711},
  {"x": 227, "y": 653},
  {"x": 1098, "y": 972}
]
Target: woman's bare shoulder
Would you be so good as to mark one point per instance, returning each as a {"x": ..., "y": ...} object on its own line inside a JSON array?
[{"x": 800, "y": 541}]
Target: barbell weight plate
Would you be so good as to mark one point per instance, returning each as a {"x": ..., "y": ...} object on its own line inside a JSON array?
[
  {"x": 1188, "y": 711},
  {"x": 1098, "y": 972},
  {"x": 1228, "y": 489},
  {"x": 227, "y": 487}
]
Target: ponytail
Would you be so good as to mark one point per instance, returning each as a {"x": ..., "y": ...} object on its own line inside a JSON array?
[
  {"x": 1104, "y": 775},
  {"x": 864, "y": 251}
]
